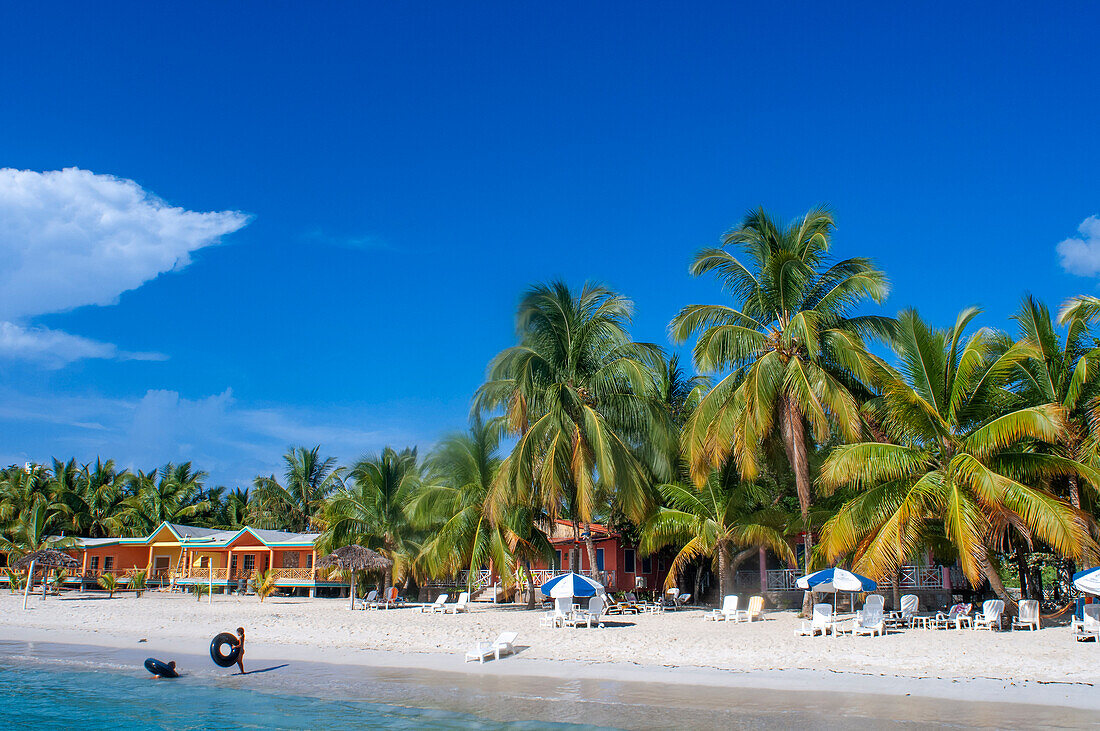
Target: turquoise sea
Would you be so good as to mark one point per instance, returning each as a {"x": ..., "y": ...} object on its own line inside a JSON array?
[
  {"x": 51, "y": 698},
  {"x": 45, "y": 686}
]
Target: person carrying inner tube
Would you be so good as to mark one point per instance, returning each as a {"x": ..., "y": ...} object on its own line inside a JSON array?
[{"x": 239, "y": 644}]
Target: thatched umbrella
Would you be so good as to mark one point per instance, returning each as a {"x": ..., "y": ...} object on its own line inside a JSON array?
[
  {"x": 355, "y": 558},
  {"x": 46, "y": 558}
]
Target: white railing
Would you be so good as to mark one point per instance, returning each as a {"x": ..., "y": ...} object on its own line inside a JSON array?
[
  {"x": 481, "y": 579},
  {"x": 541, "y": 576},
  {"x": 912, "y": 577}
]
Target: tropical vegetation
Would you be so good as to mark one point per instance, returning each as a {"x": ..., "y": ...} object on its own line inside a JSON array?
[{"x": 811, "y": 425}]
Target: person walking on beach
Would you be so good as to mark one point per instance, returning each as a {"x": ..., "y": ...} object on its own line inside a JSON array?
[{"x": 240, "y": 644}]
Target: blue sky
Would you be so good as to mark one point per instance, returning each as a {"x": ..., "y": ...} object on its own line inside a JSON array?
[{"x": 321, "y": 216}]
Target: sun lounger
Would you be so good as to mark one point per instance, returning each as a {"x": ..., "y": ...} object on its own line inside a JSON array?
[
  {"x": 910, "y": 605},
  {"x": 957, "y": 616},
  {"x": 462, "y": 604},
  {"x": 621, "y": 607},
  {"x": 727, "y": 612},
  {"x": 1090, "y": 623},
  {"x": 991, "y": 612},
  {"x": 502, "y": 645},
  {"x": 755, "y": 610},
  {"x": 436, "y": 606},
  {"x": 367, "y": 601},
  {"x": 1027, "y": 616},
  {"x": 820, "y": 623},
  {"x": 871, "y": 620}
]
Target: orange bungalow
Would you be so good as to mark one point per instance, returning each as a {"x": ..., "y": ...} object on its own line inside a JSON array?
[{"x": 619, "y": 564}]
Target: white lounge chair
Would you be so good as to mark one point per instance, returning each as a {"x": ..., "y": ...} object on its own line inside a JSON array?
[
  {"x": 991, "y": 613},
  {"x": 957, "y": 616},
  {"x": 462, "y": 604},
  {"x": 563, "y": 606},
  {"x": 671, "y": 597},
  {"x": 590, "y": 615},
  {"x": 871, "y": 620},
  {"x": 502, "y": 645},
  {"x": 367, "y": 601},
  {"x": 910, "y": 605},
  {"x": 727, "y": 612},
  {"x": 1028, "y": 615},
  {"x": 436, "y": 606},
  {"x": 1090, "y": 623},
  {"x": 755, "y": 610},
  {"x": 821, "y": 621}
]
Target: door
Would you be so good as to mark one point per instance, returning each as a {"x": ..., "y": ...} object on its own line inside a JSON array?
[
  {"x": 161, "y": 565},
  {"x": 249, "y": 564}
]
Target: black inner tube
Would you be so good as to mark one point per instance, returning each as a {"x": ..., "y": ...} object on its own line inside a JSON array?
[
  {"x": 156, "y": 667},
  {"x": 229, "y": 658}
]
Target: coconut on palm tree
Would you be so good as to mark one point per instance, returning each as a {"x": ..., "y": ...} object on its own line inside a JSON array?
[
  {"x": 579, "y": 396},
  {"x": 957, "y": 457}
]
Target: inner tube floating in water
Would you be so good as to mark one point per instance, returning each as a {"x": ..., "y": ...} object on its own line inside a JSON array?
[
  {"x": 227, "y": 659},
  {"x": 156, "y": 667}
]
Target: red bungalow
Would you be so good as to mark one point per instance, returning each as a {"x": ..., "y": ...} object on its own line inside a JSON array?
[{"x": 620, "y": 565}]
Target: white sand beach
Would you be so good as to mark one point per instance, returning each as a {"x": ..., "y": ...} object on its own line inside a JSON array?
[{"x": 1046, "y": 667}]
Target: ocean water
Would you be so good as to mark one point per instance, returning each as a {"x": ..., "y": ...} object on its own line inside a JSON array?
[{"x": 48, "y": 697}]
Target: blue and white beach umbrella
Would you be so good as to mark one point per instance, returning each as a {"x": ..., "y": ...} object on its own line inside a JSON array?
[
  {"x": 571, "y": 584},
  {"x": 834, "y": 580},
  {"x": 1088, "y": 580}
]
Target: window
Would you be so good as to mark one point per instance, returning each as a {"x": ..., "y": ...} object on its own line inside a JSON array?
[
  {"x": 249, "y": 563},
  {"x": 233, "y": 565},
  {"x": 309, "y": 561},
  {"x": 599, "y": 559},
  {"x": 93, "y": 564},
  {"x": 647, "y": 565},
  {"x": 628, "y": 561},
  {"x": 108, "y": 563},
  {"x": 204, "y": 562},
  {"x": 557, "y": 561}
]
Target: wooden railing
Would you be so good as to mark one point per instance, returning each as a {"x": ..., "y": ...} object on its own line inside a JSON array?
[{"x": 912, "y": 577}]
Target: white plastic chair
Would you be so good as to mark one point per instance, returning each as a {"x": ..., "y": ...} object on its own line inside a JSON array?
[
  {"x": 436, "y": 606},
  {"x": 727, "y": 612},
  {"x": 991, "y": 612},
  {"x": 590, "y": 615},
  {"x": 367, "y": 601},
  {"x": 462, "y": 604},
  {"x": 1028, "y": 615},
  {"x": 755, "y": 610},
  {"x": 821, "y": 621},
  {"x": 871, "y": 620},
  {"x": 502, "y": 645},
  {"x": 563, "y": 606},
  {"x": 1090, "y": 623}
]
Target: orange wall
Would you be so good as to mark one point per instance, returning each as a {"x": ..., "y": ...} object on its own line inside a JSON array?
[{"x": 125, "y": 557}]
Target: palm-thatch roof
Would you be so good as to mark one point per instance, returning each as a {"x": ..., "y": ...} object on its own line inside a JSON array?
[
  {"x": 47, "y": 558},
  {"x": 355, "y": 558}
]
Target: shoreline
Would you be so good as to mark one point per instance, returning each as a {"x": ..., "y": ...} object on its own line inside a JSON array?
[{"x": 1078, "y": 695}]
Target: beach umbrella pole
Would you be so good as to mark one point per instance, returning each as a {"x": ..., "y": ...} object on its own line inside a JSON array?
[{"x": 27, "y": 588}]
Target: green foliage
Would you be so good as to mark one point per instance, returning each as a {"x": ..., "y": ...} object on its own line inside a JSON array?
[
  {"x": 297, "y": 505},
  {"x": 263, "y": 583},
  {"x": 109, "y": 584},
  {"x": 136, "y": 581}
]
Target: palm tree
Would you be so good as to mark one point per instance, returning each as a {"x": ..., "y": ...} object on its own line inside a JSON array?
[
  {"x": 169, "y": 494},
  {"x": 309, "y": 480},
  {"x": 263, "y": 583},
  {"x": 31, "y": 531},
  {"x": 788, "y": 349},
  {"x": 958, "y": 457},
  {"x": 94, "y": 498},
  {"x": 371, "y": 508},
  {"x": 711, "y": 521},
  {"x": 579, "y": 395}
]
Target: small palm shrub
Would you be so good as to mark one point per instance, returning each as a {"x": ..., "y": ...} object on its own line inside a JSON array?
[
  {"x": 15, "y": 581},
  {"x": 137, "y": 581},
  {"x": 109, "y": 584},
  {"x": 263, "y": 583},
  {"x": 200, "y": 590}
]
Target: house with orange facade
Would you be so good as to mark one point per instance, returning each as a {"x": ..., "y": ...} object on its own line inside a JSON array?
[
  {"x": 184, "y": 555},
  {"x": 618, "y": 563}
]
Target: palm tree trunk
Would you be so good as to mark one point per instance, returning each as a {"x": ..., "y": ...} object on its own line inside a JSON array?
[
  {"x": 1021, "y": 569},
  {"x": 1074, "y": 492},
  {"x": 995, "y": 584},
  {"x": 724, "y": 584},
  {"x": 530, "y": 584},
  {"x": 792, "y": 427},
  {"x": 897, "y": 590},
  {"x": 695, "y": 584},
  {"x": 590, "y": 548}
]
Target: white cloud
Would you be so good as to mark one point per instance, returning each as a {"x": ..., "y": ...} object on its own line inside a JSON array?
[
  {"x": 55, "y": 348},
  {"x": 1082, "y": 255},
  {"x": 70, "y": 238},
  {"x": 231, "y": 442}
]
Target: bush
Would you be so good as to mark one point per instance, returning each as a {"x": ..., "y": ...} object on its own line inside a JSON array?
[
  {"x": 15, "y": 581},
  {"x": 263, "y": 583},
  {"x": 137, "y": 581},
  {"x": 109, "y": 583}
]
